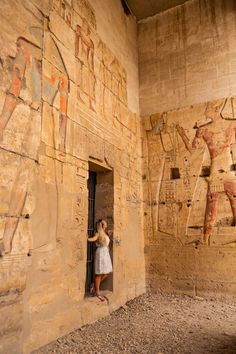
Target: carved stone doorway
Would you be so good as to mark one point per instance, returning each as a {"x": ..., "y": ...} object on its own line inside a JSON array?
[{"x": 100, "y": 206}]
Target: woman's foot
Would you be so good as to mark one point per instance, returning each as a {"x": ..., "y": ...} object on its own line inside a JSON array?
[
  {"x": 106, "y": 298},
  {"x": 101, "y": 298}
]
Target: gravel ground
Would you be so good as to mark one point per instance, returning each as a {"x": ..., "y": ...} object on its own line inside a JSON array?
[{"x": 157, "y": 324}]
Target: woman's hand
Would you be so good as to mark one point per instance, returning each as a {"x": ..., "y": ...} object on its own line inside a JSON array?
[{"x": 92, "y": 239}]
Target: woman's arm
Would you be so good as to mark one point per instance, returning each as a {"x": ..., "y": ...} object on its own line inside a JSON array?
[
  {"x": 92, "y": 239},
  {"x": 110, "y": 234}
]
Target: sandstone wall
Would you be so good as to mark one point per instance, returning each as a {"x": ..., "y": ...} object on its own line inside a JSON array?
[
  {"x": 187, "y": 88},
  {"x": 190, "y": 188},
  {"x": 63, "y": 103},
  {"x": 187, "y": 55}
]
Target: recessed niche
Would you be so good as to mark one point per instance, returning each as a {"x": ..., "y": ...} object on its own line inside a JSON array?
[
  {"x": 233, "y": 167},
  {"x": 206, "y": 171},
  {"x": 174, "y": 173}
]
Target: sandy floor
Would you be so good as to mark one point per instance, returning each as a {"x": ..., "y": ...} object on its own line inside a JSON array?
[{"x": 157, "y": 324}]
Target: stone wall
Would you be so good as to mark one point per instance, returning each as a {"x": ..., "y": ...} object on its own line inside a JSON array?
[
  {"x": 187, "y": 88},
  {"x": 63, "y": 103},
  {"x": 69, "y": 99},
  {"x": 187, "y": 55},
  {"x": 190, "y": 188}
]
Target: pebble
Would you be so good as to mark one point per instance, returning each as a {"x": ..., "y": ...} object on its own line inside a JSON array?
[{"x": 199, "y": 298}]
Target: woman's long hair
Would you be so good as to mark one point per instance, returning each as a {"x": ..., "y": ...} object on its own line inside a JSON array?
[{"x": 102, "y": 236}]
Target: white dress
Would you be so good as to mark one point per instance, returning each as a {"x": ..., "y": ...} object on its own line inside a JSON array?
[{"x": 103, "y": 263}]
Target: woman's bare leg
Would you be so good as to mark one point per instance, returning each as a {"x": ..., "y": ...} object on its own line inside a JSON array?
[
  {"x": 97, "y": 283},
  {"x": 104, "y": 276}
]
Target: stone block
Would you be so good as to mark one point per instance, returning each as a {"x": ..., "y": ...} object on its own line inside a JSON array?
[
  {"x": 80, "y": 149},
  {"x": 69, "y": 177},
  {"x": 47, "y": 135},
  {"x": 52, "y": 53},
  {"x": 46, "y": 209},
  {"x": 85, "y": 10},
  {"x": 22, "y": 132},
  {"x": 31, "y": 19},
  {"x": 72, "y": 101},
  {"x": 45, "y": 294},
  {"x": 68, "y": 60},
  {"x": 11, "y": 325},
  {"x": 92, "y": 311},
  {"x": 95, "y": 147},
  {"x": 62, "y": 31},
  {"x": 46, "y": 330},
  {"x": 73, "y": 286},
  {"x": 46, "y": 261},
  {"x": 45, "y": 6},
  {"x": 22, "y": 238},
  {"x": 13, "y": 273},
  {"x": 47, "y": 169},
  {"x": 9, "y": 163}
]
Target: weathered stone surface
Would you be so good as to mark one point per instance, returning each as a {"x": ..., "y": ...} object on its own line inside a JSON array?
[
  {"x": 11, "y": 310},
  {"x": 12, "y": 29},
  {"x": 57, "y": 326},
  {"x": 61, "y": 30},
  {"x": 22, "y": 133},
  {"x": 188, "y": 63},
  {"x": 44, "y": 233},
  {"x": 13, "y": 273},
  {"x": 64, "y": 109},
  {"x": 191, "y": 193},
  {"x": 44, "y": 295}
]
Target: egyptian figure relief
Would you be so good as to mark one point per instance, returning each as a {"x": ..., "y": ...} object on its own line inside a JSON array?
[
  {"x": 198, "y": 181},
  {"x": 103, "y": 89},
  {"x": 102, "y": 81},
  {"x": 112, "y": 85},
  {"x": 39, "y": 76},
  {"x": 84, "y": 51},
  {"x": 56, "y": 82},
  {"x": 27, "y": 63},
  {"x": 27, "y": 68}
]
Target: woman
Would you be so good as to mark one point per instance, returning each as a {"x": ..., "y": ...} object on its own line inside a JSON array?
[{"x": 103, "y": 265}]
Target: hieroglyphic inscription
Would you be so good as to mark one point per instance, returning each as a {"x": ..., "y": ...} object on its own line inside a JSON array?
[{"x": 84, "y": 51}]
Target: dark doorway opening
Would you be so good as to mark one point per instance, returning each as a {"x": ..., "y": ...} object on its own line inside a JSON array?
[
  {"x": 100, "y": 206},
  {"x": 91, "y": 230}
]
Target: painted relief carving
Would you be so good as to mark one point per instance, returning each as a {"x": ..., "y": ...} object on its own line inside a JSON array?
[
  {"x": 58, "y": 83},
  {"x": 102, "y": 87},
  {"x": 117, "y": 87},
  {"x": 100, "y": 80},
  {"x": 21, "y": 61},
  {"x": 84, "y": 51},
  {"x": 218, "y": 135},
  {"x": 112, "y": 85},
  {"x": 64, "y": 8},
  {"x": 17, "y": 202},
  {"x": 27, "y": 59},
  {"x": 86, "y": 11},
  {"x": 99, "y": 74},
  {"x": 206, "y": 172},
  {"x": 66, "y": 11}
]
